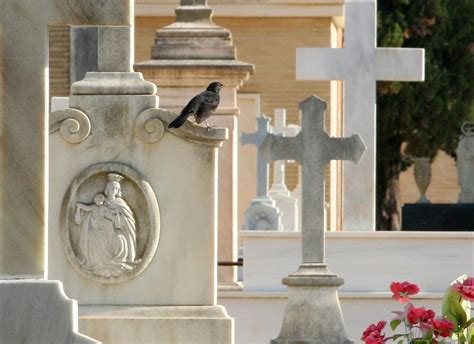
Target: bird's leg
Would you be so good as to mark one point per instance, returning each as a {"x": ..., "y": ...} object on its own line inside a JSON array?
[{"x": 209, "y": 127}]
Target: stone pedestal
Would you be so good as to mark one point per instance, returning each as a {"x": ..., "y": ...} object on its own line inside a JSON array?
[
  {"x": 313, "y": 293},
  {"x": 187, "y": 56},
  {"x": 133, "y": 214}
]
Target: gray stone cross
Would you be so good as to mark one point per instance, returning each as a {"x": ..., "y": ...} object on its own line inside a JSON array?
[
  {"x": 313, "y": 313},
  {"x": 257, "y": 138},
  {"x": 313, "y": 148}
]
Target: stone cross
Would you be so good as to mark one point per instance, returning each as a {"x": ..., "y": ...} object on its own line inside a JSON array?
[
  {"x": 24, "y": 106},
  {"x": 257, "y": 138},
  {"x": 360, "y": 64},
  {"x": 313, "y": 313},
  {"x": 313, "y": 148}
]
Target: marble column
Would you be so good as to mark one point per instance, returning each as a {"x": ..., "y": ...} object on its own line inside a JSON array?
[{"x": 188, "y": 55}]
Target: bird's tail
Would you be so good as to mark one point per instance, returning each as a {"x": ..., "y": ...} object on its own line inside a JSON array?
[{"x": 178, "y": 121}]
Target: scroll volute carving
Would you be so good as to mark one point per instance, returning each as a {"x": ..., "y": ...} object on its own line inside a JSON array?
[{"x": 73, "y": 125}]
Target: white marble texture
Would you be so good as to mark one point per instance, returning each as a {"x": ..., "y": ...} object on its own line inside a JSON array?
[
  {"x": 145, "y": 325},
  {"x": 25, "y": 105},
  {"x": 368, "y": 261},
  {"x": 34, "y": 311},
  {"x": 360, "y": 64}
]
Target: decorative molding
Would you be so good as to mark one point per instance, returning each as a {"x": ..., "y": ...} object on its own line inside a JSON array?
[
  {"x": 73, "y": 125},
  {"x": 148, "y": 127},
  {"x": 110, "y": 223}
]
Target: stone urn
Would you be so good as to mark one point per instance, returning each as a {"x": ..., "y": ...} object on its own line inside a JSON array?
[{"x": 422, "y": 173}]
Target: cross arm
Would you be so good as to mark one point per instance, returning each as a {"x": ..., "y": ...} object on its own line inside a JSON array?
[
  {"x": 282, "y": 148},
  {"x": 350, "y": 148},
  {"x": 400, "y": 64},
  {"x": 321, "y": 64}
]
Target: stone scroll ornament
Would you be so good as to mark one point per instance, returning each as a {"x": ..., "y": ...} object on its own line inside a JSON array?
[
  {"x": 110, "y": 223},
  {"x": 73, "y": 125}
]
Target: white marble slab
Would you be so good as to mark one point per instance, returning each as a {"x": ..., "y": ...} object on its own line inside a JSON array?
[{"x": 367, "y": 261}]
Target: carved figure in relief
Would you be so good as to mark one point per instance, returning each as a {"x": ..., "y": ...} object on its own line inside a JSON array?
[{"x": 107, "y": 240}]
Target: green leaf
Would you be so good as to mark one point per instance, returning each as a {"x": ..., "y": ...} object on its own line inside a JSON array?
[
  {"x": 394, "y": 323},
  {"x": 453, "y": 308}
]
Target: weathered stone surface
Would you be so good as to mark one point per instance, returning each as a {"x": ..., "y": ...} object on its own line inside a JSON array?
[
  {"x": 313, "y": 313},
  {"x": 25, "y": 105},
  {"x": 95, "y": 48},
  {"x": 193, "y": 36},
  {"x": 360, "y": 64},
  {"x": 38, "y": 312},
  {"x": 465, "y": 163}
]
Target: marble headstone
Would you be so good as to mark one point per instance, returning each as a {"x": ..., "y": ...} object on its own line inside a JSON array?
[{"x": 360, "y": 64}]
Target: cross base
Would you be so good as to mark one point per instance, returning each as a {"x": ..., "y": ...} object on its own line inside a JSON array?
[{"x": 313, "y": 314}]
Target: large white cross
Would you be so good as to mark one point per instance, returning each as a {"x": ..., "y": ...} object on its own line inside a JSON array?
[{"x": 360, "y": 64}]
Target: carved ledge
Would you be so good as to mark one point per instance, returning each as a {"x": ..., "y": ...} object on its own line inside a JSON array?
[
  {"x": 113, "y": 83},
  {"x": 73, "y": 125},
  {"x": 148, "y": 129}
]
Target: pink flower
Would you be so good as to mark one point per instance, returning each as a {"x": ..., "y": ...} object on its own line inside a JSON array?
[
  {"x": 402, "y": 290},
  {"x": 443, "y": 327},
  {"x": 373, "y": 333},
  {"x": 419, "y": 315},
  {"x": 466, "y": 288}
]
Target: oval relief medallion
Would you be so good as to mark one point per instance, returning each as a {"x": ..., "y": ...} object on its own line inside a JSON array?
[{"x": 110, "y": 223}]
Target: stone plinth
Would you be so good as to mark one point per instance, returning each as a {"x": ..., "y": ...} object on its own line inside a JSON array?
[
  {"x": 24, "y": 107},
  {"x": 184, "y": 324},
  {"x": 38, "y": 312},
  {"x": 187, "y": 56}
]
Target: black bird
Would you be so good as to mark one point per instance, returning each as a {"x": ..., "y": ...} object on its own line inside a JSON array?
[{"x": 201, "y": 106}]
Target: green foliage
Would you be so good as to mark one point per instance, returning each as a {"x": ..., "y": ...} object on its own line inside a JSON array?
[{"x": 427, "y": 116}]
